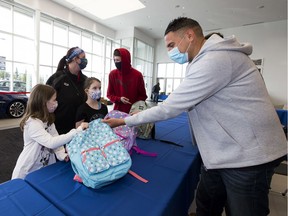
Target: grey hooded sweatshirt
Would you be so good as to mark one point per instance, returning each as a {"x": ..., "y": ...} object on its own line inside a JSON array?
[{"x": 234, "y": 122}]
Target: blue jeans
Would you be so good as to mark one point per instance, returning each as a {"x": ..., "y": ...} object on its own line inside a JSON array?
[
  {"x": 155, "y": 97},
  {"x": 240, "y": 191}
]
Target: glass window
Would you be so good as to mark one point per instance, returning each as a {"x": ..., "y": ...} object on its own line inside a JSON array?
[
  {"x": 24, "y": 72},
  {"x": 23, "y": 50},
  {"x": 89, "y": 64},
  {"x": 98, "y": 45},
  {"x": 143, "y": 61},
  {"x": 161, "y": 70},
  {"x": 87, "y": 42},
  {"x": 45, "y": 54},
  {"x": 178, "y": 71},
  {"x": 109, "y": 52},
  {"x": 170, "y": 70},
  {"x": 5, "y": 11},
  {"x": 169, "y": 86},
  {"x": 150, "y": 55},
  {"x": 97, "y": 64},
  {"x": 58, "y": 53},
  {"x": 6, "y": 46},
  {"x": 46, "y": 30},
  {"x": 60, "y": 34},
  {"x": 5, "y": 74},
  {"x": 44, "y": 73},
  {"x": 74, "y": 37},
  {"x": 176, "y": 83},
  {"x": 21, "y": 17},
  {"x": 162, "y": 83},
  {"x": 139, "y": 65},
  {"x": 149, "y": 70},
  {"x": 174, "y": 76},
  {"x": 140, "y": 49}
]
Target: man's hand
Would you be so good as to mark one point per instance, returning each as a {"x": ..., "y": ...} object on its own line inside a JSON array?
[
  {"x": 114, "y": 122},
  {"x": 125, "y": 100}
]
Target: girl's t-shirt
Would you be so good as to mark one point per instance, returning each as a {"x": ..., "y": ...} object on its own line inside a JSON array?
[{"x": 89, "y": 114}]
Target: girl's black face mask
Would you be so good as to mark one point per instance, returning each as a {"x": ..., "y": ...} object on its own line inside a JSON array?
[{"x": 118, "y": 65}]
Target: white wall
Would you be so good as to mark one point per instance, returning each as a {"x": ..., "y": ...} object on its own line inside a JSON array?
[{"x": 269, "y": 42}]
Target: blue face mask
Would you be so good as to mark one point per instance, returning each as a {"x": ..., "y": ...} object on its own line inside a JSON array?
[
  {"x": 177, "y": 56},
  {"x": 83, "y": 63},
  {"x": 95, "y": 95}
]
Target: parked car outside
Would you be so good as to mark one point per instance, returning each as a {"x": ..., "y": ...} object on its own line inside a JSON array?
[
  {"x": 12, "y": 104},
  {"x": 18, "y": 86}
]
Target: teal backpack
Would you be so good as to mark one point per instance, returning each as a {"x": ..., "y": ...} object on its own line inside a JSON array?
[{"x": 97, "y": 156}]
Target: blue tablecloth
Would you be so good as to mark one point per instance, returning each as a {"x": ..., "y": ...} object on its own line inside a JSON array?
[
  {"x": 176, "y": 130},
  {"x": 17, "y": 197},
  {"x": 173, "y": 176}
]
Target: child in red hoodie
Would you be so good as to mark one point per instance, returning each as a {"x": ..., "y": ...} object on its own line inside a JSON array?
[{"x": 126, "y": 84}]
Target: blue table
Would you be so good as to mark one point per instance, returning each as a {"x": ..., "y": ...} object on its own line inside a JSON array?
[
  {"x": 17, "y": 197},
  {"x": 162, "y": 97},
  {"x": 176, "y": 130},
  {"x": 282, "y": 114},
  {"x": 173, "y": 176}
]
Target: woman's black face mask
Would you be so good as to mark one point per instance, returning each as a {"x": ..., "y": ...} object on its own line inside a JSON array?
[{"x": 118, "y": 65}]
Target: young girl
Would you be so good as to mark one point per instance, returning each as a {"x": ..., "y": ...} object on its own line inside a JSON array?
[
  {"x": 93, "y": 108},
  {"x": 41, "y": 139}
]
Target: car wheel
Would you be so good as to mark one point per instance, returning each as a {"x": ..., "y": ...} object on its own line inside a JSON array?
[{"x": 16, "y": 109}]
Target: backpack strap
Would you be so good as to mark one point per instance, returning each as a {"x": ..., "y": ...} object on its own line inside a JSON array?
[
  {"x": 78, "y": 178},
  {"x": 137, "y": 176},
  {"x": 140, "y": 151}
]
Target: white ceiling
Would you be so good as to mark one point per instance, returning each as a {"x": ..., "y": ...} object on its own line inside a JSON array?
[{"x": 213, "y": 15}]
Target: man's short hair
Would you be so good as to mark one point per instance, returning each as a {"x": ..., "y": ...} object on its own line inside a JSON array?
[
  {"x": 116, "y": 53},
  {"x": 184, "y": 23}
]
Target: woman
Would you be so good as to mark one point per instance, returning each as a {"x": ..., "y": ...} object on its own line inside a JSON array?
[{"x": 68, "y": 81}]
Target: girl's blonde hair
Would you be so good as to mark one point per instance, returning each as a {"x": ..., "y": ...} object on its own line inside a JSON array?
[{"x": 37, "y": 105}]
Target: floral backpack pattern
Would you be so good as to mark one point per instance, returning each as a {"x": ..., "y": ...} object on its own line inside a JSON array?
[
  {"x": 126, "y": 134},
  {"x": 97, "y": 155}
]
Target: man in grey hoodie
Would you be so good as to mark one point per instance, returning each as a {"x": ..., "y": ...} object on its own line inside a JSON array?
[{"x": 235, "y": 125}]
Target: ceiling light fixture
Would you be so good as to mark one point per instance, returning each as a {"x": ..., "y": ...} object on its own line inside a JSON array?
[{"x": 105, "y": 9}]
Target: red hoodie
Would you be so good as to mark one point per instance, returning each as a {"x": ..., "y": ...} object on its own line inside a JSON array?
[{"x": 127, "y": 83}]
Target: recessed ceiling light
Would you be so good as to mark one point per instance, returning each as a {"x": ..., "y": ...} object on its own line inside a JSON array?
[{"x": 105, "y": 9}]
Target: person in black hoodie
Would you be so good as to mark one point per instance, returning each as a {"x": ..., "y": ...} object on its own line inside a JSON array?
[{"x": 68, "y": 81}]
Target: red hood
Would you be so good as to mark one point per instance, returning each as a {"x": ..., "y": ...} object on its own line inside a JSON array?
[{"x": 125, "y": 59}]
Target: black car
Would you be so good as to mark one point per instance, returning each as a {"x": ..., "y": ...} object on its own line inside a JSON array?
[{"x": 12, "y": 104}]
